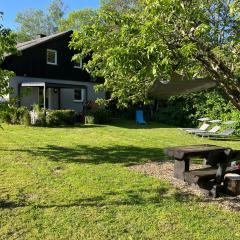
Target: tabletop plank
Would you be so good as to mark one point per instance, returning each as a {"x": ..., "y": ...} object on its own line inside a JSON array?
[{"x": 202, "y": 150}]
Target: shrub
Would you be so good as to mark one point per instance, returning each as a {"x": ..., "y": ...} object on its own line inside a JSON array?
[
  {"x": 90, "y": 119},
  {"x": 60, "y": 117},
  {"x": 25, "y": 119},
  {"x": 98, "y": 116},
  {"x": 185, "y": 110},
  {"x": 40, "y": 116},
  {"x": 13, "y": 115},
  {"x": 177, "y": 111},
  {"x": 41, "y": 119},
  {"x": 23, "y": 116},
  {"x": 36, "y": 108},
  {"x": 5, "y": 117},
  {"x": 68, "y": 116}
]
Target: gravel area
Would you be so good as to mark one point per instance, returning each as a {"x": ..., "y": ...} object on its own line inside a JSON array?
[{"x": 164, "y": 170}]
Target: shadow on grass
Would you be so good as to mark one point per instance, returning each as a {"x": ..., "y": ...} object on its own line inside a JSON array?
[
  {"x": 230, "y": 139},
  {"x": 82, "y": 154},
  {"x": 82, "y": 126},
  {"x": 156, "y": 197},
  {"x": 132, "y": 125},
  {"x": 129, "y": 124}
]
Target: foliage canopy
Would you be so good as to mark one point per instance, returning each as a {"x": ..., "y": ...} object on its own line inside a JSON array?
[
  {"x": 32, "y": 22},
  {"x": 7, "y": 46},
  {"x": 134, "y": 46}
]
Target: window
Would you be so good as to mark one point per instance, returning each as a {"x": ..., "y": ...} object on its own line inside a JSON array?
[
  {"x": 79, "y": 95},
  {"x": 51, "y": 57},
  {"x": 78, "y": 63}
]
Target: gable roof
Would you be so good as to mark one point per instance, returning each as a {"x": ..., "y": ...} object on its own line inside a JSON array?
[{"x": 38, "y": 41}]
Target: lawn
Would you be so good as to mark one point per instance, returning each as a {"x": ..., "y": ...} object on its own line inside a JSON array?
[{"x": 73, "y": 183}]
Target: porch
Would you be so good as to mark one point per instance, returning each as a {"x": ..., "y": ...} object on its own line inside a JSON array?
[{"x": 51, "y": 95}]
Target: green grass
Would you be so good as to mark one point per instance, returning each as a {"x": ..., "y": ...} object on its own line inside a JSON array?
[{"x": 72, "y": 183}]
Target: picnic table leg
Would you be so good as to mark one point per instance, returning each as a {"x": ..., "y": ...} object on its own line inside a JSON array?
[
  {"x": 221, "y": 171},
  {"x": 218, "y": 158},
  {"x": 180, "y": 167}
]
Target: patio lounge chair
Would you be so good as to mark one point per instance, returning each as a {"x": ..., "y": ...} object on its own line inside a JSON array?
[
  {"x": 203, "y": 127},
  {"x": 225, "y": 134},
  {"x": 139, "y": 117},
  {"x": 213, "y": 130},
  {"x": 230, "y": 122},
  {"x": 204, "y": 119}
]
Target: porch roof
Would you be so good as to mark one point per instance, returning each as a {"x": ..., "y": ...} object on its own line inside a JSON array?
[{"x": 51, "y": 85}]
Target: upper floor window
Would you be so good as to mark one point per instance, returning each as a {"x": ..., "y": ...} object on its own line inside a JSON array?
[
  {"x": 78, "y": 63},
  {"x": 51, "y": 57}
]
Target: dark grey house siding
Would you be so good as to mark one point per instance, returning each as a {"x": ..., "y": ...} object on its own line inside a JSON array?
[
  {"x": 57, "y": 82},
  {"x": 32, "y": 62}
]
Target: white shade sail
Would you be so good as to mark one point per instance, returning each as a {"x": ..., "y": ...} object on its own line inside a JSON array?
[{"x": 179, "y": 85}]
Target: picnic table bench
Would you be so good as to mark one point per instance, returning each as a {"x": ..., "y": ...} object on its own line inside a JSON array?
[{"x": 216, "y": 163}]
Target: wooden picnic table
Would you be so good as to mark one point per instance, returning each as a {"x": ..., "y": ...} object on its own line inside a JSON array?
[
  {"x": 212, "y": 154},
  {"x": 216, "y": 164}
]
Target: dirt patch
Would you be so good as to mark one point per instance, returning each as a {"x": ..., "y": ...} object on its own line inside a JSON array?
[
  {"x": 57, "y": 169},
  {"x": 164, "y": 170}
]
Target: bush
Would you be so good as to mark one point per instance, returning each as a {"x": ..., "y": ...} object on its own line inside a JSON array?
[
  {"x": 40, "y": 116},
  {"x": 90, "y": 119},
  {"x": 60, "y": 117},
  {"x": 5, "y": 117},
  {"x": 14, "y": 115},
  {"x": 41, "y": 119},
  {"x": 185, "y": 110},
  {"x": 21, "y": 115},
  {"x": 98, "y": 116},
  {"x": 25, "y": 119},
  {"x": 177, "y": 111}
]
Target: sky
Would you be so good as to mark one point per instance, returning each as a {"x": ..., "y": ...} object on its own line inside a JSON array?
[{"x": 12, "y": 7}]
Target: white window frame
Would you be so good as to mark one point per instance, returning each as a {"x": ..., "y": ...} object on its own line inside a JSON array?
[
  {"x": 55, "y": 60},
  {"x": 83, "y": 91},
  {"x": 80, "y": 64}
]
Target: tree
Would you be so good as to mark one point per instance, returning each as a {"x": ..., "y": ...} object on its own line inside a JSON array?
[
  {"x": 76, "y": 19},
  {"x": 31, "y": 22},
  {"x": 34, "y": 21},
  {"x": 133, "y": 48},
  {"x": 56, "y": 12},
  {"x": 83, "y": 17},
  {"x": 119, "y": 5},
  {"x": 7, "y": 46}
]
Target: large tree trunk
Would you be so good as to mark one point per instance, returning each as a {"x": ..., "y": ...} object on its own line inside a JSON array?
[
  {"x": 233, "y": 94},
  {"x": 223, "y": 76}
]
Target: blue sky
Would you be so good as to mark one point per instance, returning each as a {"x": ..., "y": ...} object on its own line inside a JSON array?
[{"x": 12, "y": 7}]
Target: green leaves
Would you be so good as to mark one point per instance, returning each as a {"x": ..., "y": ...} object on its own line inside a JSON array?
[
  {"x": 188, "y": 50},
  {"x": 202, "y": 29},
  {"x": 132, "y": 46},
  {"x": 34, "y": 21},
  {"x": 154, "y": 70},
  {"x": 7, "y": 46},
  {"x": 77, "y": 19}
]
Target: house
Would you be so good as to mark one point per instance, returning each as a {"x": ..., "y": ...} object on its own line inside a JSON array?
[{"x": 46, "y": 74}]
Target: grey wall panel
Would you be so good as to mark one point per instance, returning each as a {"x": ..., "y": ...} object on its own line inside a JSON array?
[
  {"x": 53, "y": 99},
  {"x": 67, "y": 100},
  {"x": 13, "y": 83},
  {"x": 67, "y": 95}
]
